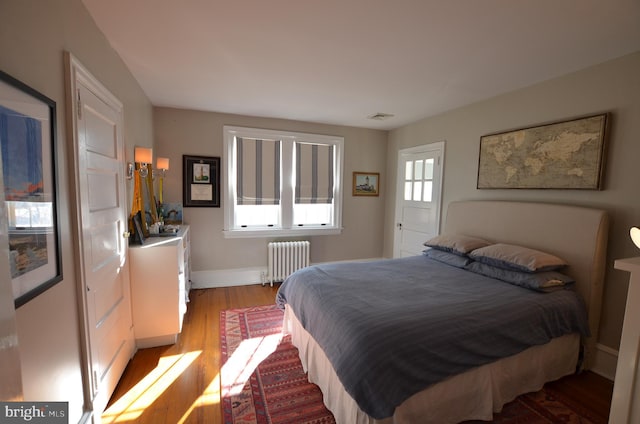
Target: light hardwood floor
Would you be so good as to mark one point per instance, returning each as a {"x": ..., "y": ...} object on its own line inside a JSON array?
[{"x": 180, "y": 383}]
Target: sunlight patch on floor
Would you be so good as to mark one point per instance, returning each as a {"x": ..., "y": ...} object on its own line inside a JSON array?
[
  {"x": 236, "y": 371},
  {"x": 210, "y": 396},
  {"x": 244, "y": 360},
  {"x": 131, "y": 405}
]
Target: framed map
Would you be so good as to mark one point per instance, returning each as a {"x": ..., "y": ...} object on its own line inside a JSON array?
[{"x": 561, "y": 155}]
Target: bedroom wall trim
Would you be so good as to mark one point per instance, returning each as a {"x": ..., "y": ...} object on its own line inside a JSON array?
[
  {"x": 217, "y": 278},
  {"x": 227, "y": 277},
  {"x": 605, "y": 361}
]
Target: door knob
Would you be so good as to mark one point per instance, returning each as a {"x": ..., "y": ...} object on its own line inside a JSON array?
[{"x": 126, "y": 234}]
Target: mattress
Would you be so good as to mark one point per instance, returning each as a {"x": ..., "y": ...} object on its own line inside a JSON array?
[
  {"x": 474, "y": 394},
  {"x": 391, "y": 328}
]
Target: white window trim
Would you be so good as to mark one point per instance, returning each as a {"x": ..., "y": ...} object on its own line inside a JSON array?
[{"x": 229, "y": 192}]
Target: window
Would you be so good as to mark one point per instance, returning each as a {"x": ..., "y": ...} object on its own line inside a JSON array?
[
  {"x": 281, "y": 183},
  {"x": 418, "y": 180}
]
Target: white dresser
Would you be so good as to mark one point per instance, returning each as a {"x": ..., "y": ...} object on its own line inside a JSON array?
[
  {"x": 625, "y": 404},
  {"x": 160, "y": 282}
]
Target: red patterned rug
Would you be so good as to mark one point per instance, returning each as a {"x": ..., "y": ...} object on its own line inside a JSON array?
[
  {"x": 262, "y": 378},
  {"x": 263, "y": 381}
]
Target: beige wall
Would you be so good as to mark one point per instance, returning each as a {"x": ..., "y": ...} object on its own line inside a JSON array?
[
  {"x": 33, "y": 37},
  {"x": 611, "y": 87},
  {"x": 179, "y": 132}
]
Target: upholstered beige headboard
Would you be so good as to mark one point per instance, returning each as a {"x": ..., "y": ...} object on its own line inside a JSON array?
[{"x": 576, "y": 234}]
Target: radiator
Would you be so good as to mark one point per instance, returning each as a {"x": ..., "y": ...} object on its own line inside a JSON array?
[{"x": 285, "y": 258}]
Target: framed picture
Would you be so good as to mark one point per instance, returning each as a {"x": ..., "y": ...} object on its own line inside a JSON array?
[
  {"x": 366, "y": 183},
  {"x": 137, "y": 226},
  {"x": 27, "y": 142},
  {"x": 172, "y": 213},
  {"x": 201, "y": 181},
  {"x": 562, "y": 155}
]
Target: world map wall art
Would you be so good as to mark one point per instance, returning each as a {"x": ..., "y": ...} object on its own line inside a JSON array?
[{"x": 561, "y": 155}]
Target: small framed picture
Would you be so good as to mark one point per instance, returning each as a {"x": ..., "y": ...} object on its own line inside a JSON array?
[
  {"x": 137, "y": 224},
  {"x": 366, "y": 183},
  {"x": 201, "y": 181}
]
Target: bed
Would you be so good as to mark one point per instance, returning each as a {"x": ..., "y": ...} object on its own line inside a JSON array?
[{"x": 394, "y": 381}]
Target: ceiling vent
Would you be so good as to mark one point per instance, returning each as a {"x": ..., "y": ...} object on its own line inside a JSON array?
[{"x": 380, "y": 116}]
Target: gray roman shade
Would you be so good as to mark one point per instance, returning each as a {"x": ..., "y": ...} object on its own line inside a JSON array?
[
  {"x": 314, "y": 172},
  {"x": 258, "y": 171}
]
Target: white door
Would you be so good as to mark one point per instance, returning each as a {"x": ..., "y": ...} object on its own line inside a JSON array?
[
  {"x": 418, "y": 197},
  {"x": 102, "y": 226}
]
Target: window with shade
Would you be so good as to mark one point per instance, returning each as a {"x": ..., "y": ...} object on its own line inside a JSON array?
[{"x": 281, "y": 183}]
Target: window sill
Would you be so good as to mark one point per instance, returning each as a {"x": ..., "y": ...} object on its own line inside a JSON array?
[{"x": 292, "y": 232}]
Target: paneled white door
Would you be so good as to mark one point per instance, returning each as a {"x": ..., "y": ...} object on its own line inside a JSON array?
[
  {"x": 418, "y": 197},
  {"x": 101, "y": 201}
]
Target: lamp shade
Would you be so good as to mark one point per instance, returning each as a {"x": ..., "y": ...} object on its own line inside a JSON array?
[
  {"x": 635, "y": 236},
  {"x": 143, "y": 155},
  {"x": 162, "y": 163}
]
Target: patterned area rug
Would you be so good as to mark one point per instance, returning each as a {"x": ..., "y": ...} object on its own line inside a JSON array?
[
  {"x": 262, "y": 378},
  {"x": 544, "y": 407},
  {"x": 263, "y": 381}
]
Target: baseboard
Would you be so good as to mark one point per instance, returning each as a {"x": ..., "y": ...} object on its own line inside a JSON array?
[
  {"x": 605, "y": 361},
  {"x": 147, "y": 342},
  {"x": 227, "y": 277},
  {"x": 239, "y": 276}
]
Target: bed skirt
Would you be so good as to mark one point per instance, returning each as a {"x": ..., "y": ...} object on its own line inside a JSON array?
[{"x": 475, "y": 394}]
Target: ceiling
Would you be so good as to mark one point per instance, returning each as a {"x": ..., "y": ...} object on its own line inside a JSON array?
[{"x": 340, "y": 61}]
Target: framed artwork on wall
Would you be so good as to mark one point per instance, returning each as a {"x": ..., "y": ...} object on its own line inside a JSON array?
[
  {"x": 201, "y": 181},
  {"x": 137, "y": 227},
  {"x": 561, "y": 155},
  {"x": 366, "y": 184},
  {"x": 27, "y": 143}
]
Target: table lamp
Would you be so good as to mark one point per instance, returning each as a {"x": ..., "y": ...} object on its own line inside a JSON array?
[{"x": 635, "y": 236}]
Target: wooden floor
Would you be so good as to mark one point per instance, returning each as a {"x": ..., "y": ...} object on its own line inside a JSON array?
[{"x": 180, "y": 383}]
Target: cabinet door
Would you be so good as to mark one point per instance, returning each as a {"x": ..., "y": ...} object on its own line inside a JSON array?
[
  {"x": 155, "y": 283},
  {"x": 186, "y": 245}
]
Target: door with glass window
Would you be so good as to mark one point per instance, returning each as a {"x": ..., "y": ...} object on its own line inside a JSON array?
[{"x": 418, "y": 198}]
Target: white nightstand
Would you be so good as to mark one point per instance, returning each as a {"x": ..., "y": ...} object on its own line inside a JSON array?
[
  {"x": 160, "y": 283},
  {"x": 625, "y": 403}
]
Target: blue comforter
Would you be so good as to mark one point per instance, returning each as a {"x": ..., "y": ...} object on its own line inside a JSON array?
[{"x": 393, "y": 327}]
